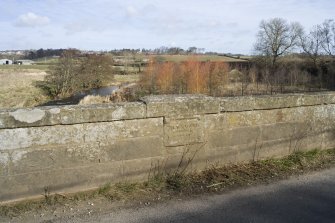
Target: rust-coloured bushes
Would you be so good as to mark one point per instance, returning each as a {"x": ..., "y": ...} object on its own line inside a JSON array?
[{"x": 191, "y": 76}]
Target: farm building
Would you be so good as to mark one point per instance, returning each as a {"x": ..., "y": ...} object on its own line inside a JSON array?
[
  {"x": 24, "y": 62},
  {"x": 5, "y": 62}
]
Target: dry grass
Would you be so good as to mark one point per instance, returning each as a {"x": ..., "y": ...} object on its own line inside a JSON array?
[
  {"x": 130, "y": 78},
  {"x": 24, "y": 68},
  {"x": 17, "y": 89}
]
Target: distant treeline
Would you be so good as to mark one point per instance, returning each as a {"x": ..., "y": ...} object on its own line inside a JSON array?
[
  {"x": 158, "y": 51},
  {"x": 41, "y": 53}
]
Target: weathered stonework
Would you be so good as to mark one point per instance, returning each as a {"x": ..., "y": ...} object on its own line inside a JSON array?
[
  {"x": 180, "y": 106},
  {"x": 70, "y": 148},
  {"x": 183, "y": 132},
  {"x": 62, "y": 115}
]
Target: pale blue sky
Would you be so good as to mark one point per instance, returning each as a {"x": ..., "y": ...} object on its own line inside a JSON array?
[{"x": 216, "y": 25}]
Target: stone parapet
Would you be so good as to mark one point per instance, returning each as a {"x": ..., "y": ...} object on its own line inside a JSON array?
[
  {"x": 69, "y": 115},
  {"x": 71, "y": 148}
]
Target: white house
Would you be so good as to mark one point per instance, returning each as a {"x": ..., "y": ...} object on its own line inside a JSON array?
[
  {"x": 5, "y": 62},
  {"x": 24, "y": 62}
]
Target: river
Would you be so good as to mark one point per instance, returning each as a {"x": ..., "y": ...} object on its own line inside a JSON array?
[{"x": 75, "y": 99}]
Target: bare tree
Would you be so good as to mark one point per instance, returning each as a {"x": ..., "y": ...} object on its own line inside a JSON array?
[
  {"x": 62, "y": 76},
  {"x": 276, "y": 37},
  {"x": 74, "y": 73},
  {"x": 328, "y": 33},
  {"x": 312, "y": 43},
  {"x": 95, "y": 70}
]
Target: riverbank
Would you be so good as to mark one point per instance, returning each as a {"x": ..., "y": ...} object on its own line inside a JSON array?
[{"x": 18, "y": 87}]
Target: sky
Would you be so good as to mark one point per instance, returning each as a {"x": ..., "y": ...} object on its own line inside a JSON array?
[{"x": 226, "y": 26}]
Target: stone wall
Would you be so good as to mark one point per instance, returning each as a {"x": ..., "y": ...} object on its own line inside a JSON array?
[{"x": 72, "y": 148}]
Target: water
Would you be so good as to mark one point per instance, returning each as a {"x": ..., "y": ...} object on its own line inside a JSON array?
[
  {"x": 105, "y": 91},
  {"x": 75, "y": 99}
]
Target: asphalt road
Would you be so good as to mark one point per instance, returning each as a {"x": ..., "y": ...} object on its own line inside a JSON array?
[{"x": 309, "y": 198}]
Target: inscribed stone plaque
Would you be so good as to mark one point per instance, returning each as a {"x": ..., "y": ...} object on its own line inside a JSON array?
[{"x": 183, "y": 132}]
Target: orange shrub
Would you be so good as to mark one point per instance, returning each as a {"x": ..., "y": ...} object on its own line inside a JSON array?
[{"x": 191, "y": 76}]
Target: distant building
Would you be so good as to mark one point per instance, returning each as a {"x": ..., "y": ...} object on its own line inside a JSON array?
[
  {"x": 5, "y": 62},
  {"x": 24, "y": 62}
]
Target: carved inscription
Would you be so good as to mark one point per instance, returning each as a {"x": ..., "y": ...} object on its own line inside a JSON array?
[{"x": 183, "y": 132}]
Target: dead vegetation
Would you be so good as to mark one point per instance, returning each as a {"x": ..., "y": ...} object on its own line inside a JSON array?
[
  {"x": 17, "y": 88},
  {"x": 165, "y": 184},
  {"x": 188, "y": 77},
  {"x": 73, "y": 74},
  {"x": 192, "y": 74}
]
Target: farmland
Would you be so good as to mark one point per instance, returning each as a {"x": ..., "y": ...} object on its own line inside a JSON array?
[
  {"x": 17, "y": 87},
  {"x": 18, "y": 83},
  {"x": 240, "y": 76}
]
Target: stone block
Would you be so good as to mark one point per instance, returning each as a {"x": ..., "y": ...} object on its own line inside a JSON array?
[
  {"x": 245, "y": 135},
  {"x": 69, "y": 156},
  {"x": 55, "y": 157},
  {"x": 4, "y": 163},
  {"x": 218, "y": 139},
  {"x": 284, "y": 131},
  {"x": 247, "y": 103},
  {"x": 60, "y": 180},
  {"x": 251, "y": 118},
  {"x": 327, "y": 140},
  {"x": 135, "y": 148},
  {"x": 190, "y": 158},
  {"x": 111, "y": 131},
  {"x": 74, "y": 179},
  {"x": 320, "y": 98},
  {"x": 243, "y": 119},
  {"x": 215, "y": 122},
  {"x": 180, "y": 106},
  {"x": 233, "y": 154},
  {"x": 183, "y": 132},
  {"x": 39, "y": 136},
  {"x": 274, "y": 149},
  {"x": 233, "y": 137},
  {"x": 222, "y": 155},
  {"x": 103, "y": 113},
  {"x": 234, "y": 104},
  {"x": 74, "y": 114},
  {"x": 140, "y": 169},
  {"x": 104, "y": 132},
  {"x": 278, "y": 101},
  {"x": 28, "y": 117}
]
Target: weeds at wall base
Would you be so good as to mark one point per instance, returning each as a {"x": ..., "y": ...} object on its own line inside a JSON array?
[{"x": 167, "y": 185}]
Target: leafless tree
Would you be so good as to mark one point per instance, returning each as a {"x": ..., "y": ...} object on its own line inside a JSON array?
[
  {"x": 312, "y": 43},
  {"x": 328, "y": 33},
  {"x": 74, "y": 73},
  {"x": 95, "y": 70},
  {"x": 61, "y": 78},
  {"x": 277, "y": 37}
]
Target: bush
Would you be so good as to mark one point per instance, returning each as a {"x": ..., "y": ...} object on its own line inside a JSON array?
[
  {"x": 189, "y": 77},
  {"x": 73, "y": 74}
]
